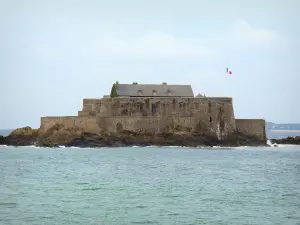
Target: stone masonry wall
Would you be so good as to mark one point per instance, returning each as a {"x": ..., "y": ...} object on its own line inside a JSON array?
[
  {"x": 209, "y": 115},
  {"x": 91, "y": 106},
  {"x": 205, "y": 115},
  {"x": 86, "y": 123},
  {"x": 253, "y": 127}
]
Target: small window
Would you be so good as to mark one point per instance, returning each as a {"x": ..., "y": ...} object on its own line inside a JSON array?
[
  {"x": 140, "y": 92},
  {"x": 154, "y": 93},
  {"x": 210, "y": 119}
]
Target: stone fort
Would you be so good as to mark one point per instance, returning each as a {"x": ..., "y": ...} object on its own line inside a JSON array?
[{"x": 157, "y": 108}]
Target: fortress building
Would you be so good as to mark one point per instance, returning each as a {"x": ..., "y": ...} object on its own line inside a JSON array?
[{"x": 158, "y": 108}]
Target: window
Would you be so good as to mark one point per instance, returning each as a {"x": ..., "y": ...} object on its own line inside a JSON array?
[
  {"x": 210, "y": 119},
  {"x": 140, "y": 92},
  {"x": 153, "y": 109},
  {"x": 174, "y": 104},
  {"x": 154, "y": 93}
]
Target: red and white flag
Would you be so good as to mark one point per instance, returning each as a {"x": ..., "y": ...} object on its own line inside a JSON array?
[{"x": 228, "y": 71}]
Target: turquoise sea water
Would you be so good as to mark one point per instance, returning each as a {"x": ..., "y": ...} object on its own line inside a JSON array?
[{"x": 150, "y": 186}]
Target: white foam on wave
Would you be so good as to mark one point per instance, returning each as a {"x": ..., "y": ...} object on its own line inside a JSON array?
[
  {"x": 29, "y": 146},
  {"x": 5, "y": 146},
  {"x": 21, "y": 146},
  {"x": 181, "y": 147},
  {"x": 228, "y": 147},
  {"x": 171, "y": 146},
  {"x": 62, "y": 146},
  {"x": 285, "y": 145},
  {"x": 280, "y": 145}
]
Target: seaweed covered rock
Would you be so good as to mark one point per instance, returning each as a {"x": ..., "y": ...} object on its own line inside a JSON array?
[
  {"x": 288, "y": 140},
  {"x": 58, "y": 135},
  {"x": 24, "y": 136}
]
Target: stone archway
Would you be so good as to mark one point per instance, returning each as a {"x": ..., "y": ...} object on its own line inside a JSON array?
[{"x": 119, "y": 128}]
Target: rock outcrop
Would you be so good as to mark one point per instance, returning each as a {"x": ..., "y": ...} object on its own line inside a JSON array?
[
  {"x": 60, "y": 135},
  {"x": 288, "y": 140},
  {"x": 166, "y": 139},
  {"x": 24, "y": 136}
]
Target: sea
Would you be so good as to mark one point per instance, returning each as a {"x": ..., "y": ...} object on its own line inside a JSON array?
[
  {"x": 150, "y": 185},
  {"x": 281, "y": 134},
  {"x": 5, "y": 132}
]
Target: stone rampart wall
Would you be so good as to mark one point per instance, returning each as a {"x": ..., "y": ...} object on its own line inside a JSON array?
[
  {"x": 91, "y": 106},
  {"x": 200, "y": 115},
  {"x": 86, "y": 123},
  {"x": 146, "y": 125},
  {"x": 213, "y": 115},
  {"x": 253, "y": 127}
]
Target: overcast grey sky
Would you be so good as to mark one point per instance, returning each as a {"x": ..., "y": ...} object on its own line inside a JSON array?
[{"x": 55, "y": 53}]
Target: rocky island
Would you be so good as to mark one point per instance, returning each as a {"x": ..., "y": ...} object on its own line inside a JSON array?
[{"x": 143, "y": 115}]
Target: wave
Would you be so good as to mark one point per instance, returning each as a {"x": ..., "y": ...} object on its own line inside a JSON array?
[
  {"x": 31, "y": 146},
  {"x": 280, "y": 145},
  {"x": 285, "y": 145},
  {"x": 228, "y": 147},
  {"x": 155, "y": 146}
]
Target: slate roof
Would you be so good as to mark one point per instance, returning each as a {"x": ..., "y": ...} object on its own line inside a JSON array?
[{"x": 158, "y": 90}]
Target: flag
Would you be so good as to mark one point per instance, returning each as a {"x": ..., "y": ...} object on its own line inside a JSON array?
[{"x": 228, "y": 71}]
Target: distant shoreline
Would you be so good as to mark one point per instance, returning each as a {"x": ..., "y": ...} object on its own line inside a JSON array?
[{"x": 292, "y": 131}]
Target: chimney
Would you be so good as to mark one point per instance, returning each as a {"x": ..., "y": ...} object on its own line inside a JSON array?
[
  {"x": 134, "y": 83},
  {"x": 164, "y": 83}
]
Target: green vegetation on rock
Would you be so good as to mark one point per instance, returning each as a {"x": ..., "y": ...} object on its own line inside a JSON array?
[{"x": 24, "y": 131}]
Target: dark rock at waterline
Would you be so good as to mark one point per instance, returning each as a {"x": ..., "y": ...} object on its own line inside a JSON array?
[
  {"x": 288, "y": 140},
  {"x": 127, "y": 138},
  {"x": 25, "y": 136}
]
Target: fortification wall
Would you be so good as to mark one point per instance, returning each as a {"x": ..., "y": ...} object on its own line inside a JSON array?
[
  {"x": 145, "y": 125},
  {"x": 214, "y": 115},
  {"x": 253, "y": 127},
  {"x": 86, "y": 123},
  {"x": 152, "y": 114},
  {"x": 90, "y": 107}
]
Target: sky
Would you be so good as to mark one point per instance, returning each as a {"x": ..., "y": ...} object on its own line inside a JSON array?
[{"x": 55, "y": 53}]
